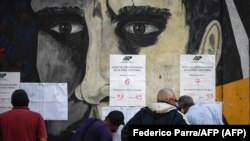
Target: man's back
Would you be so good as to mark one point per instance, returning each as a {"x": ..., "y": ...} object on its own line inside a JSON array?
[
  {"x": 92, "y": 129},
  {"x": 159, "y": 113},
  {"x": 170, "y": 115},
  {"x": 203, "y": 115},
  {"x": 21, "y": 124}
]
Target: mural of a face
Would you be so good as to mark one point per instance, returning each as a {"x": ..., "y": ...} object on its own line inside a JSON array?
[
  {"x": 75, "y": 32},
  {"x": 157, "y": 29},
  {"x": 76, "y": 39}
]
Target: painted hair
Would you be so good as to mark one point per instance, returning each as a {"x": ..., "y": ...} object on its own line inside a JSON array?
[{"x": 198, "y": 15}]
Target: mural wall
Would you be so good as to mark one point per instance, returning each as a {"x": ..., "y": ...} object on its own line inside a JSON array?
[{"x": 71, "y": 41}]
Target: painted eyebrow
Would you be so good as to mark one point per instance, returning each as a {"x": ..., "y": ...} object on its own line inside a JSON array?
[
  {"x": 143, "y": 10},
  {"x": 61, "y": 11}
]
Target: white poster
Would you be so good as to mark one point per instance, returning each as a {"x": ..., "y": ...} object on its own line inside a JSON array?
[
  {"x": 48, "y": 99},
  {"x": 9, "y": 82},
  {"x": 127, "y": 80},
  {"x": 197, "y": 77}
]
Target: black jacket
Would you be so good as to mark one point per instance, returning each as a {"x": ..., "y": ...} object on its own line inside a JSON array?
[{"x": 155, "y": 114}]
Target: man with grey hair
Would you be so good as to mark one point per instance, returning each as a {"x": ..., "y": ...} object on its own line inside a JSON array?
[
  {"x": 198, "y": 114},
  {"x": 162, "y": 112},
  {"x": 167, "y": 95}
]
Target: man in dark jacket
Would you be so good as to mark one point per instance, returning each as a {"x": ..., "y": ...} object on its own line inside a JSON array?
[
  {"x": 93, "y": 129},
  {"x": 163, "y": 112}
]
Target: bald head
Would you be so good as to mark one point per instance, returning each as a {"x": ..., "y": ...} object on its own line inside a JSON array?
[{"x": 166, "y": 95}]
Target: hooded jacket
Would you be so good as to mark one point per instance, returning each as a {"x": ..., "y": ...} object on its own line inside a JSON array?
[{"x": 159, "y": 113}]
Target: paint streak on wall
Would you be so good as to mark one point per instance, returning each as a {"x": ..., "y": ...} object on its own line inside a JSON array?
[{"x": 236, "y": 101}]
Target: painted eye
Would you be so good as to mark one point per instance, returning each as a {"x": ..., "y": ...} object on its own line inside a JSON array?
[
  {"x": 67, "y": 28},
  {"x": 140, "y": 28}
]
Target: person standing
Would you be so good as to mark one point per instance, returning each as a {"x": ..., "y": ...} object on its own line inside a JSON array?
[
  {"x": 93, "y": 129},
  {"x": 163, "y": 112},
  {"x": 198, "y": 114},
  {"x": 21, "y": 124}
]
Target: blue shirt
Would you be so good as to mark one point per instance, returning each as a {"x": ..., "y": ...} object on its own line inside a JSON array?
[
  {"x": 203, "y": 115},
  {"x": 93, "y": 130}
]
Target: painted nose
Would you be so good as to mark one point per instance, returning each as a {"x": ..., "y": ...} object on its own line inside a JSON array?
[
  {"x": 94, "y": 92},
  {"x": 102, "y": 42},
  {"x": 95, "y": 85}
]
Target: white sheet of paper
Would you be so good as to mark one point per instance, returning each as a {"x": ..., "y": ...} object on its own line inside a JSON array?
[
  {"x": 58, "y": 112},
  {"x": 128, "y": 80},
  {"x": 48, "y": 99},
  {"x": 9, "y": 81},
  {"x": 197, "y": 77}
]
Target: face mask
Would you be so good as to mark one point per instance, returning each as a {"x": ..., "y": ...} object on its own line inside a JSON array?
[{"x": 182, "y": 110}]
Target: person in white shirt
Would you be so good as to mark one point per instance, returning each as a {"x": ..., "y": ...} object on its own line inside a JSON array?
[{"x": 199, "y": 114}]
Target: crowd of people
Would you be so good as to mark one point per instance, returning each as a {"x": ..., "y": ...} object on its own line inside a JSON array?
[{"x": 29, "y": 125}]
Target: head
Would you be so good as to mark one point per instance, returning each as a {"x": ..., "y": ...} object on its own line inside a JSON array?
[
  {"x": 184, "y": 103},
  {"x": 114, "y": 119},
  {"x": 158, "y": 29},
  {"x": 19, "y": 98},
  {"x": 93, "y": 29},
  {"x": 166, "y": 95}
]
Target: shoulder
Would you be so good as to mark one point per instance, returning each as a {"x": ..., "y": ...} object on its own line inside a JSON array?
[
  {"x": 4, "y": 116},
  {"x": 161, "y": 107},
  {"x": 92, "y": 122},
  {"x": 89, "y": 123},
  {"x": 97, "y": 122},
  {"x": 176, "y": 112},
  {"x": 5, "y": 113},
  {"x": 144, "y": 109},
  {"x": 178, "y": 117},
  {"x": 197, "y": 109},
  {"x": 99, "y": 127},
  {"x": 35, "y": 114}
]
